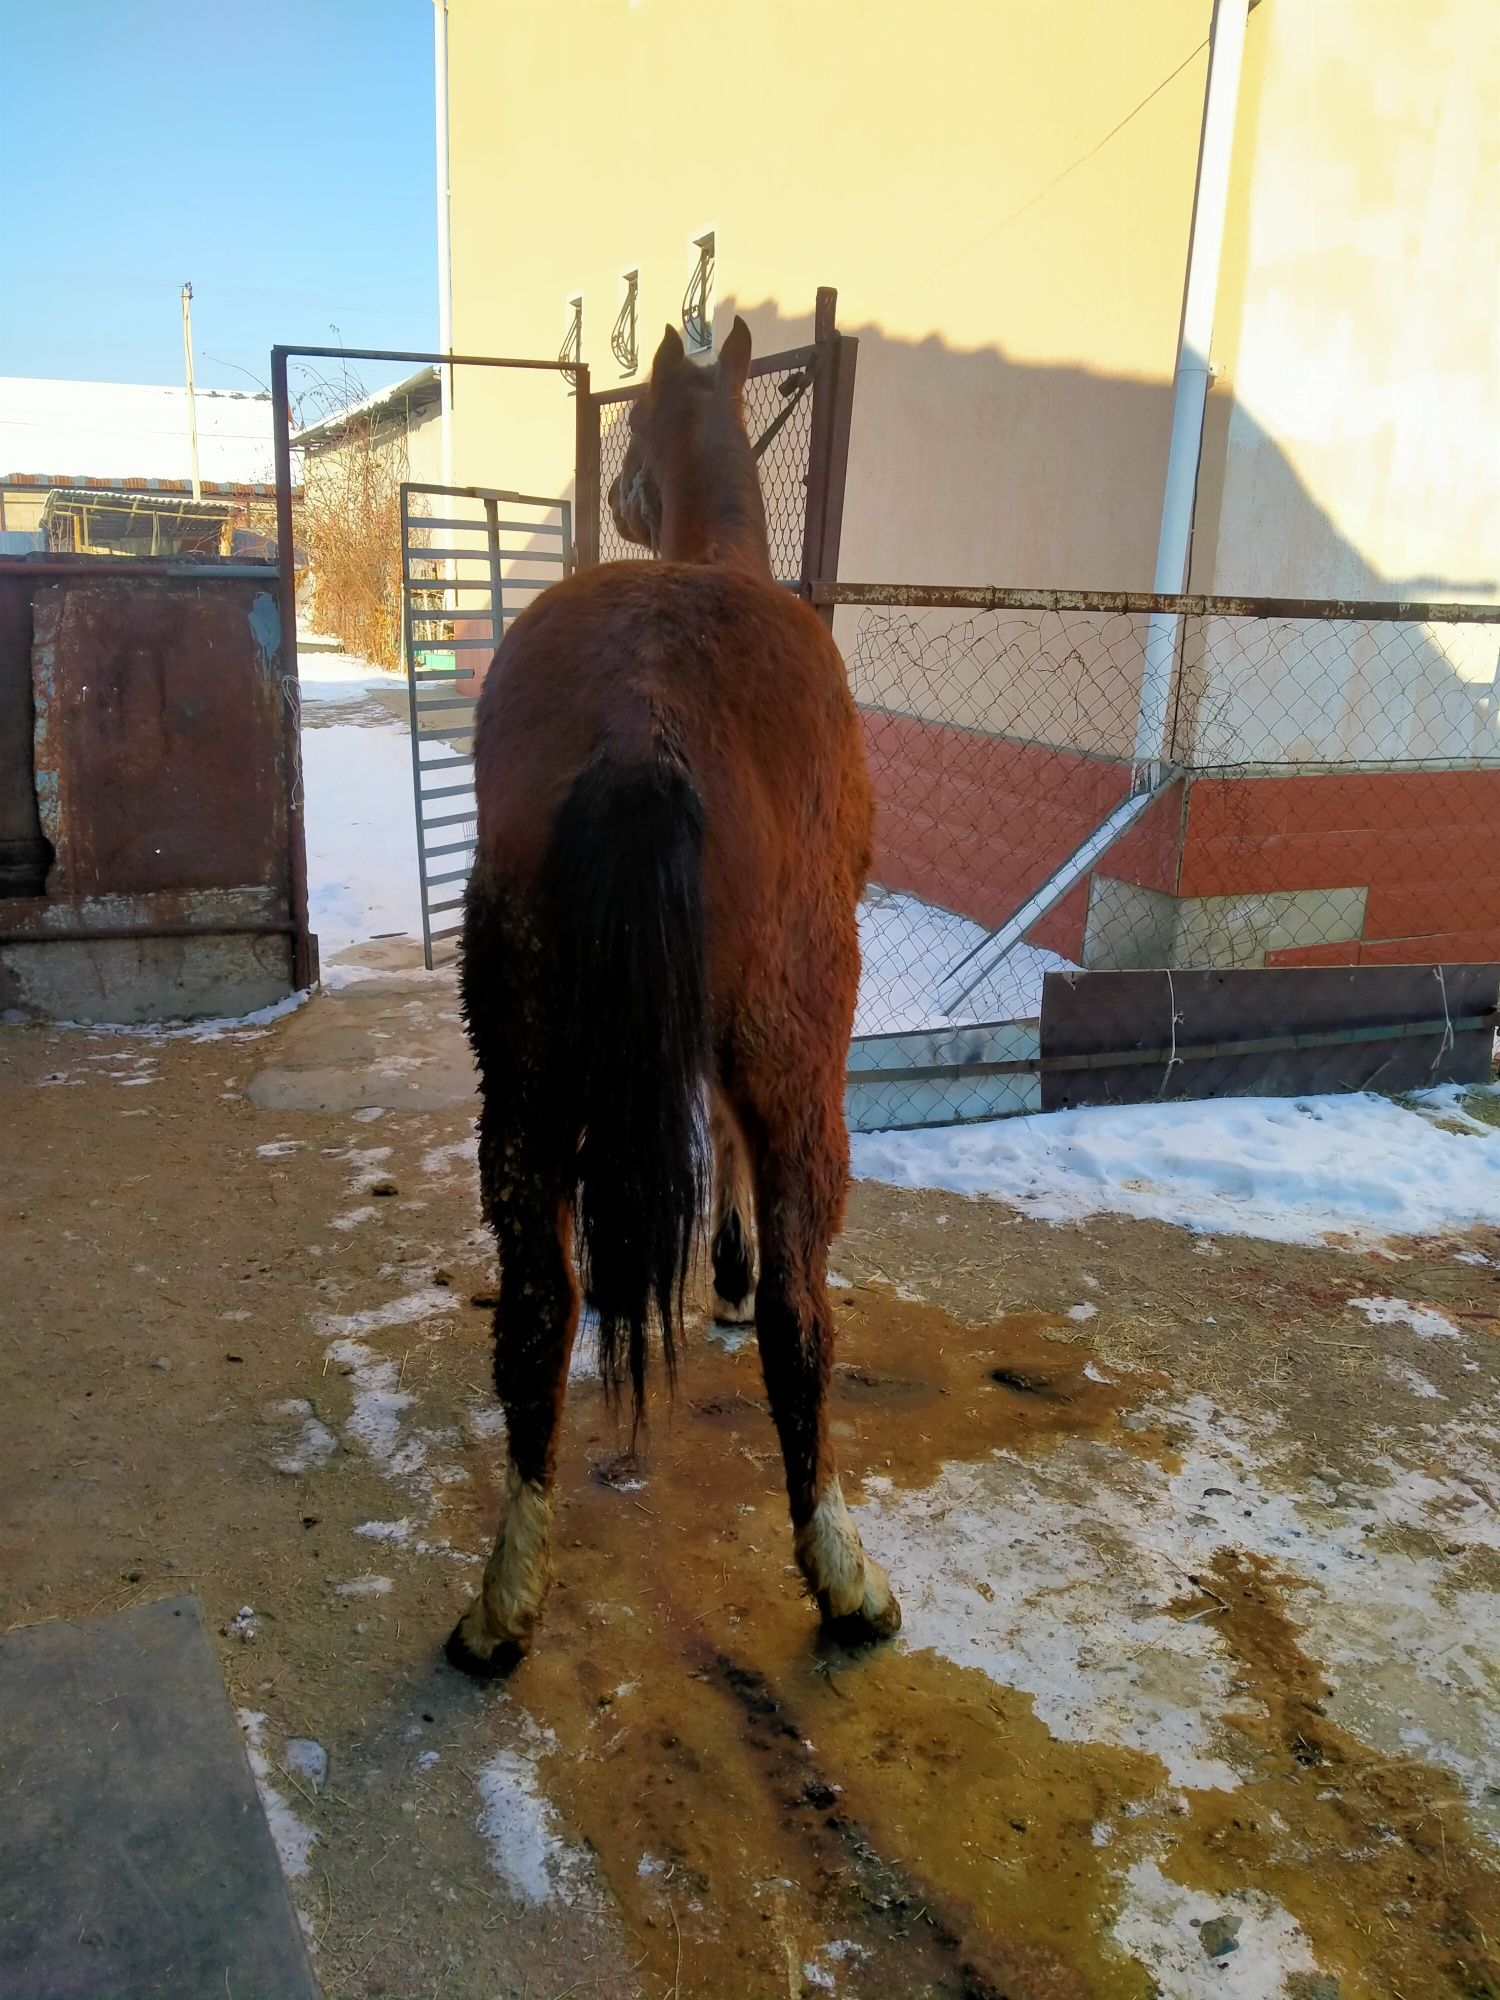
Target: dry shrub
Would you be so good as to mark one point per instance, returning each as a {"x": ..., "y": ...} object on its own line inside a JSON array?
[{"x": 351, "y": 532}]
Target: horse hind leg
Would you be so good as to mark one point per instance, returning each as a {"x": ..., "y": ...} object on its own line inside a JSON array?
[
  {"x": 536, "y": 1320},
  {"x": 800, "y": 1159},
  {"x": 733, "y": 1242}
]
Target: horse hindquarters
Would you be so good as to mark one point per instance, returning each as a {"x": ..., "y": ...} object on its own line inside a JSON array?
[{"x": 589, "y": 1019}]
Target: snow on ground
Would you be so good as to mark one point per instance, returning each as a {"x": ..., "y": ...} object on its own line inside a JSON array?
[
  {"x": 1061, "y": 1576},
  {"x": 1291, "y": 1169},
  {"x": 1157, "y": 1923},
  {"x": 521, "y": 1827},
  {"x": 361, "y": 827},
  {"x": 293, "y": 1836},
  {"x": 909, "y": 946}
]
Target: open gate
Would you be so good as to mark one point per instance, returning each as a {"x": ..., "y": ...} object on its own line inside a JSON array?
[{"x": 472, "y": 559}]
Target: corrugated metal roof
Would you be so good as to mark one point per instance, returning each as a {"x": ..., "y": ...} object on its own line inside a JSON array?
[{"x": 144, "y": 500}]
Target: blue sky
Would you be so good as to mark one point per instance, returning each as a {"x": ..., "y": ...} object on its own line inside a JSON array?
[{"x": 277, "y": 154}]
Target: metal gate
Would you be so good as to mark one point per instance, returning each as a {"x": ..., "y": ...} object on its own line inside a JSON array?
[
  {"x": 472, "y": 559},
  {"x": 798, "y": 407}
]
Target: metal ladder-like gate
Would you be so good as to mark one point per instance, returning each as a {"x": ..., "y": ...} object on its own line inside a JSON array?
[{"x": 472, "y": 559}]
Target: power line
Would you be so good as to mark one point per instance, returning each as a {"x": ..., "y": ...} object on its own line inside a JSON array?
[{"x": 1057, "y": 179}]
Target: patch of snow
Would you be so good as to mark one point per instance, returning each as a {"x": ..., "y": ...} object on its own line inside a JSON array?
[
  {"x": 1066, "y": 1578},
  {"x": 398, "y": 1532},
  {"x": 906, "y": 948},
  {"x": 242, "y": 1625},
  {"x": 365, "y": 1586},
  {"x": 316, "y": 1445},
  {"x": 307, "y": 1757},
  {"x": 293, "y": 1837},
  {"x": 426, "y": 1759},
  {"x": 278, "y": 1149},
  {"x": 353, "y": 1217},
  {"x": 729, "y": 1336},
  {"x": 379, "y": 1405},
  {"x": 422, "y": 1303},
  {"x": 529, "y": 1850},
  {"x": 330, "y": 676},
  {"x": 1429, "y": 1321},
  {"x": 1292, "y": 1170},
  {"x": 583, "y": 1364},
  {"x": 1083, "y": 1312},
  {"x": 361, "y": 832},
  {"x": 368, "y": 1113},
  {"x": 1409, "y": 1379},
  {"x": 217, "y": 1029},
  {"x": 460, "y": 1155},
  {"x": 1157, "y": 1926},
  {"x": 486, "y": 1420}
]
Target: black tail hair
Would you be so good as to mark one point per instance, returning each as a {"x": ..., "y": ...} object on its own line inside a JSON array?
[{"x": 622, "y": 891}]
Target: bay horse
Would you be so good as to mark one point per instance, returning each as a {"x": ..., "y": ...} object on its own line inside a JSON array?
[{"x": 674, "y": 827}]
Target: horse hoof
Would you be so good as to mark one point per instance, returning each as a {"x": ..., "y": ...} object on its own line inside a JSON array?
[
  {"x": 728, "y": 1313},
  {"x": 877, "y": 1616},
  {"x": 496, "y": 1665}
]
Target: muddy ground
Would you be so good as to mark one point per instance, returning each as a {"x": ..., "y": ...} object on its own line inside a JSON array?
[{"x": 1201, "y": 1640}]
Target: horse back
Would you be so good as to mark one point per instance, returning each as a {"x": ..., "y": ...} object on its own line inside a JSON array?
[{"x": 735, "y": 672}]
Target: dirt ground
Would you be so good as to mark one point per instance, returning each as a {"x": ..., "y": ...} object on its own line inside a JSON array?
[{"x": 1199, "y": 1687}]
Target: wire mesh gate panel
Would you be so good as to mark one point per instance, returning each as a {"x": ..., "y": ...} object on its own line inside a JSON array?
[
  {"x": 798, "y": 408},
  {"x": 1324, "y": 791},
  {"x": 472, "y": 559}
]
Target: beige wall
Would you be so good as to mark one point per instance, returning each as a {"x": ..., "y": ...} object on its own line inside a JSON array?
[
  {"x": 1012, "y": 264},
  {"x": 1358, "y": 330},
  {"x": 1011, "y": 416}
]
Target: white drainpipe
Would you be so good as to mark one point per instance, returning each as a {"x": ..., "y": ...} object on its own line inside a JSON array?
[
  {"x": 444, "y": 248},
  {"x": 1226, "y": 49}
]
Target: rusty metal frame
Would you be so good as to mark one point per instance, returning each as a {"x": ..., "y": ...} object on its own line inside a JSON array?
[
  {"x": 985, "y": 597},
  {"x": 304, "y": 956}
]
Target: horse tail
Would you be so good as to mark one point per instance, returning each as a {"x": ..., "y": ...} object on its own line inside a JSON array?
[{"x": 622, "y": 888}]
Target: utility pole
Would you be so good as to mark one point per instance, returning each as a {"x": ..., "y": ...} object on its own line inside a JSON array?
[{"x": 187, "y": 355}]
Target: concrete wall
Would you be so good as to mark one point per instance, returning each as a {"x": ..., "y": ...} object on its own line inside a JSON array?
[{"x": 163, "y": 784}]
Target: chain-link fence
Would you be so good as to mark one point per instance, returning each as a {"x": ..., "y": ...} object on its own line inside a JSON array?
[
  {"x": 1071, "y": 780},
  {"x": 779, "y": 419}
]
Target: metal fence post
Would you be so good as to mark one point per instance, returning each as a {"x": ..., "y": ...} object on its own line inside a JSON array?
[
  {"x": 828, "y": 447},
  {"x": 304, "y": 951},
  {"x": 586, "y": 494}
]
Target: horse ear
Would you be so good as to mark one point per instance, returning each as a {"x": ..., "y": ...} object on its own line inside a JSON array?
[
  {"x": 668, "y": 356},
  {"x": 734, "y": 356}
]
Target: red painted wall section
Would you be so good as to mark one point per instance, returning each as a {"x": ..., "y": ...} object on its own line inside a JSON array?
[
  {"x": 977, "y": 822},
  {"x": 1425, "y": 845}
]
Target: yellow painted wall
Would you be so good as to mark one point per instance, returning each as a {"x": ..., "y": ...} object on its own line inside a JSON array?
[
  {"x": 1000, "y": 190},
  {"x": 1012, "y": 271},
  {"x": 1358, "y": 329}
]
